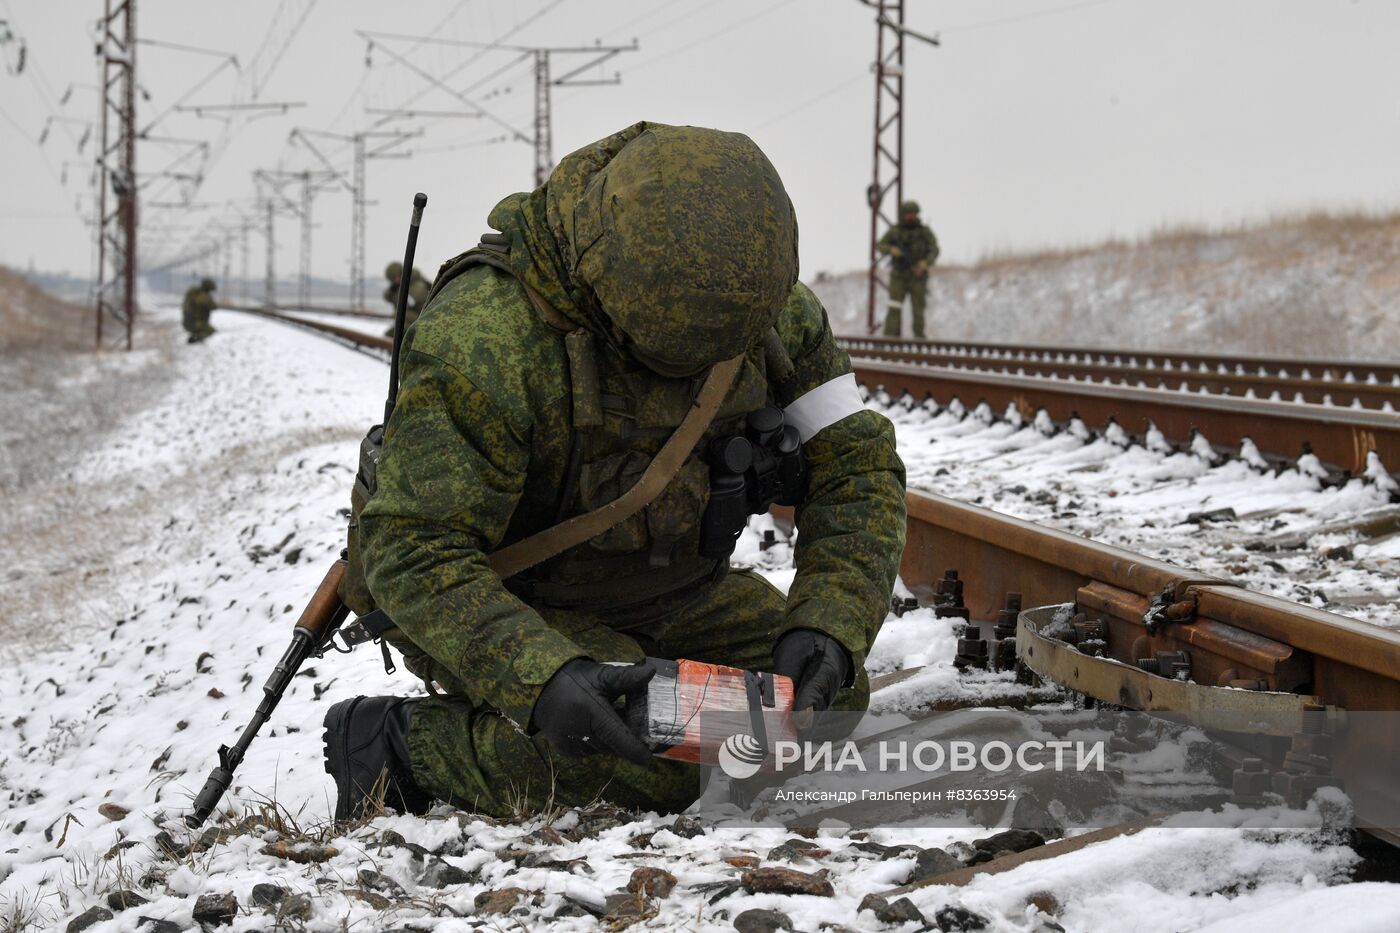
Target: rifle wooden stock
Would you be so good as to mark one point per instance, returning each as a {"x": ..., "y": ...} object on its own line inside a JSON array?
[
  {"x": 318, "y": 622},
  {"x": 325, "y": 609}
]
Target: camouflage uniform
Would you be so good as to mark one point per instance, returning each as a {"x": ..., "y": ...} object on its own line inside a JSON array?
[
  {"x": 418, "y": 288},
  {"x": 196, "y": 308},
  {"x": 499, "y": 433},
  {"x": 918, "y": 249}
]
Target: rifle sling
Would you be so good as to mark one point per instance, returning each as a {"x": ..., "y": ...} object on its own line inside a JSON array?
[{"x": 539, "y": 547}]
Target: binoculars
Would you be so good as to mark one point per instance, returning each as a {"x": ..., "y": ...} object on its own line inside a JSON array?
[{"x": 750, "y": 472}]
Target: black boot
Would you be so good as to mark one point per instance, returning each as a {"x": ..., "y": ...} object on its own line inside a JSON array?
[{"x": 367, "y": 750}]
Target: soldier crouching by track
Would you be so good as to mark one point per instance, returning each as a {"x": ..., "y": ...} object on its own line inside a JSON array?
[
  {"x": 417, "y": 293},
  {"x": 649, "y": 288},
  {"x": 196, "y": 309}
]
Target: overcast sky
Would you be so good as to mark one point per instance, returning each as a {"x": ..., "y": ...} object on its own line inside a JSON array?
[{"x": 1036, "y": 123}]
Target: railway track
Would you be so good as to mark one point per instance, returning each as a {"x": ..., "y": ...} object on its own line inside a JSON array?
[
  {"x": 1187, "y": 394},
  {"x": 1147, "y": 634},
  {"x": 1231, "y": 650},
  {"x": 375, "y": 344},
  {"x": 1363, "y": 384}
]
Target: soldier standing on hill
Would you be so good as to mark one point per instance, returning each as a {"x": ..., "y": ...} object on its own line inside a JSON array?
[
  {"x": 912, "y": 249},
  {"x": 417, "y": 293},
  {"x": 196, "y": 308}
]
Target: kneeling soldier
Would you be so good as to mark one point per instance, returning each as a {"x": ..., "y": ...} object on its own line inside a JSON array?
[{"x": 557, "y": 368}]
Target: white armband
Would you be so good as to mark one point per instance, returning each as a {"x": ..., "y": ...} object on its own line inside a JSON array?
[{"x": 825, "y": 405}]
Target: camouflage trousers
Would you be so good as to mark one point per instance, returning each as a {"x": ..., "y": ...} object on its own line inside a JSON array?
[
  {"x": 916, "y": 288},
  {"x": 196, "y": 323},
  {"x": 475, "y": 758}
]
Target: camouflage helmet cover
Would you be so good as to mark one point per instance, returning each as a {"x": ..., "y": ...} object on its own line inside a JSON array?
[
  {"x": 687, "y": 239},
  {"x": 909, "y": 207},
  {"x": 393, "y": 270},
  {"x": 206, "y": 284}
]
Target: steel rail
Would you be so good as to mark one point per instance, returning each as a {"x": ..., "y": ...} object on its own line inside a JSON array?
[
  {"x": 1339, "y": 436},
  {"x": 311, "y": 309},
  {"x": 1237, "y": 382},
  {"x": 1332, "y": 370},
  {"x": 355, "y": 338}
]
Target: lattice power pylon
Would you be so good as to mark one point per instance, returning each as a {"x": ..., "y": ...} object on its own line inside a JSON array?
[
  {"x": 356, "y": 186},
  {"x": 544, "y": 118},
  {"x": 116, "y": 173},
  {"x": 544, "y": 144},
  {"x": 357, "y": 226},
  {"x": 304, "y": 280},
  {"x": 887, "y": 169}
]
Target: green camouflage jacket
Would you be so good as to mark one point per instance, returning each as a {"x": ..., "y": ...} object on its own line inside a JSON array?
[
  {"x": 476, "y": 453},
  {"x": 197, "y": 301},
  {"x": 916, "y": 243},
  {"x": 417, "y": 292}
]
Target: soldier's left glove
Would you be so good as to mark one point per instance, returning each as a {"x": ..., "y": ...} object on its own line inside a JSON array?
[{"x": 817, "y": 664}]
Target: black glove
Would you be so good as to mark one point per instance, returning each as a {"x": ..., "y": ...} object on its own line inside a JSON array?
[
  {"x": 817, "y": 664},
  {"x": 575, "y": 709}
]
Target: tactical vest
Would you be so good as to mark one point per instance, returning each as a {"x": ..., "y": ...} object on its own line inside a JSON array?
[
  {"x": 649, "y": 564},
  {"x": 913, "y": 244}
]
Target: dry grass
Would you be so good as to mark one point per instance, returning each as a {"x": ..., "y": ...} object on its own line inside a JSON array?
[
  {"x": 32, "y": 319},
  {"x": 22, "y": 913},
  {"x": 1318, "y": 225}
]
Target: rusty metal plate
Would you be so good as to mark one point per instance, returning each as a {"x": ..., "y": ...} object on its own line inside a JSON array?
[{"x": 1111, "y": 681}]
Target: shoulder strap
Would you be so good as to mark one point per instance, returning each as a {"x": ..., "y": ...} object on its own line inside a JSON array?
[
  {"x": 543, "y": 545},
  {"x": 494, "y": 251}
]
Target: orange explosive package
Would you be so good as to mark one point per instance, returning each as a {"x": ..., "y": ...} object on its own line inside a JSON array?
[{"x": 692, "y": 710}]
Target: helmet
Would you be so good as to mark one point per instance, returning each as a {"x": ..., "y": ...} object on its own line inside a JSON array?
[
  {"x": 689, "y": 242},
  {"x": 206, "y": 284},
  {"x": 393, "y": 271},
  {"x": 909, "y": 207}
]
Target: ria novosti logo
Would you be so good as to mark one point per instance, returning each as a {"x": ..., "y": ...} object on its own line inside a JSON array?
[{"x": 741, "y": 756}]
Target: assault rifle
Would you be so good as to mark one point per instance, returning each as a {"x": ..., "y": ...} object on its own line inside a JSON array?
[{"x": 325, "y": 613}]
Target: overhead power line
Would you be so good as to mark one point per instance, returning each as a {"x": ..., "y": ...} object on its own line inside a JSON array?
[{"x": 542, "y": 138}]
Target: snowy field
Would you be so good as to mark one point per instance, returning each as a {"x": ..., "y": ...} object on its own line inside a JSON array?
[{"x": 218, "y": 504}]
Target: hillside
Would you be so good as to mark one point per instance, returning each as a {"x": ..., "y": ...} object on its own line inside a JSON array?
[
  {"x": 1324, "y": 286},
  {"x": 32, "y": 318}
]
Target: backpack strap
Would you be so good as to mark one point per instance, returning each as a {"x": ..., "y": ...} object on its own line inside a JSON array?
[{"x": 494, "y": 251}]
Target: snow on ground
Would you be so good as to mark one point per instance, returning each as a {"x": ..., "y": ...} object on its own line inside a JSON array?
[
  {"x": 227, "y": 483},
  {"x": 1140, "y": 499}
]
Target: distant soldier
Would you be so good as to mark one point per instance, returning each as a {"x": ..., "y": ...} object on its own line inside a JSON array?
[
  {"x": 912, "y": 249},
  {"x": 418, "y": 288},
  {"x": 197, "y": 306}
]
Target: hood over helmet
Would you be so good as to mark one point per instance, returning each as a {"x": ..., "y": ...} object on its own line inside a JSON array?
[
  {"x": 677, "y": 243},
  {"x": 393, "y": 270}
]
